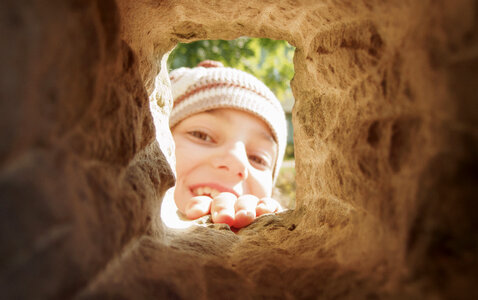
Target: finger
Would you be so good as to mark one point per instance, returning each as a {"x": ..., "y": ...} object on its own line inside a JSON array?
[
  {"x": 245, "y": 210},
  {"x": 267, "y": 206},
  {"x": 222, "y": 208},
  {"x": 197, "y": 207}
]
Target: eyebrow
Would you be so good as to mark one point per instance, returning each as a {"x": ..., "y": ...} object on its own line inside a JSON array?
[
  {"x": 263, "y": 135},
  {"x": 268, "y": 137}
]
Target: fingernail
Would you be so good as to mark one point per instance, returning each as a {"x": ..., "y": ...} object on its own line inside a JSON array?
[
  {"x": 262, "y": 205},
  {"x": 245, "y": 213},
  {"x": 223, "y": 217}
]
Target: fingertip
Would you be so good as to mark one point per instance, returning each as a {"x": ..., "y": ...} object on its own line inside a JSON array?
[
  {"x": 198, "y": 207},
  {"x": 223, "y": 217},
  {"x": 195, "y": 212},
  {"x": 267, "y": 206},
  {"x": 222, "y": 208},
  {"x": 261, "y": 209},
  {"x": 244, "y": 218}
]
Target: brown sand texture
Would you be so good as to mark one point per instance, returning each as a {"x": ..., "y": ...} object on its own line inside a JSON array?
[{"x": 385, "y": 124}]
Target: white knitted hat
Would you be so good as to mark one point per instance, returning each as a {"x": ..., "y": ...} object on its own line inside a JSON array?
[{"x": 211, "y": 85}]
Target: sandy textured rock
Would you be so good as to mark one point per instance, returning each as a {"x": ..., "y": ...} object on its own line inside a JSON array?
[{"x": 385, "y": 136}]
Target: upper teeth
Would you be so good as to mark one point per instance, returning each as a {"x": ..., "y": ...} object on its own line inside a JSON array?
[{"x": 205, "y": 190}]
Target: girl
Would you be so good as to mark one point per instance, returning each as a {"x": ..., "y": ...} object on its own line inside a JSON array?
[{"x": 230, "y": 135}]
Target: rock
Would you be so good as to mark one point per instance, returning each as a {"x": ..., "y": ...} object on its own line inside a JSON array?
[{"x": 385, "y": 136}]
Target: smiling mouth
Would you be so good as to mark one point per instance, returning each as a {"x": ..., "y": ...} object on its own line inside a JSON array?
[{"x": 205, "y": 191}]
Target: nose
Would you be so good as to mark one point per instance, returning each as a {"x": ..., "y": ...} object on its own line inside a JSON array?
[{"x": 233, "y": 159}]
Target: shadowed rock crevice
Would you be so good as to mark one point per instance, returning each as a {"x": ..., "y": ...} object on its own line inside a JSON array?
[{"x": 385, "y": 144}]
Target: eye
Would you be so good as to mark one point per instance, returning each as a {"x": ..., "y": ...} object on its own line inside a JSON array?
[
  {"x": 200, "y": 135},
  {"x": 259, "y": 161}
]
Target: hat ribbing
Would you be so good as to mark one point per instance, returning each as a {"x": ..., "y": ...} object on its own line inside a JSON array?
[{"x": 211, "y": 85}]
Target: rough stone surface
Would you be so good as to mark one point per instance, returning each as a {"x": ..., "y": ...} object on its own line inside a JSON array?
[{"x": 386, "y": 143}]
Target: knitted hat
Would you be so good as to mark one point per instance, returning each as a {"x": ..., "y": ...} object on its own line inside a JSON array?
[{"x": 211, "y": 85}]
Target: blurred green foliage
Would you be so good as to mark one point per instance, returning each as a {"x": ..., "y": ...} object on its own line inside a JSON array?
[
  {"x": 289, "y": 152},
  {"x": 269, "y": 60}
]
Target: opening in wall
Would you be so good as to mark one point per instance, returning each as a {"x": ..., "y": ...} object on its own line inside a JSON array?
[{"x": 231, "y": 131}]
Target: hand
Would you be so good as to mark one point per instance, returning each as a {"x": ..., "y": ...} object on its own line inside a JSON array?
[{"x": 229, "y": 209}]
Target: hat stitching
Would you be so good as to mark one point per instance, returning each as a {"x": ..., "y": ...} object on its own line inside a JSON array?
[{"x": 213, "y": 85}]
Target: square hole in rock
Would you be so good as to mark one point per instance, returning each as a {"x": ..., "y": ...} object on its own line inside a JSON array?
[{"x": 232, "y": 127}]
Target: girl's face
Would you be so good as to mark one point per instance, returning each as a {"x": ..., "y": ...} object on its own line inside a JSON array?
[{"x": 223, "y": 150}]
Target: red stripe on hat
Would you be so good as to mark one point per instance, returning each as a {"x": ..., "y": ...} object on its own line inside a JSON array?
[{"x": 211, "y": 86}]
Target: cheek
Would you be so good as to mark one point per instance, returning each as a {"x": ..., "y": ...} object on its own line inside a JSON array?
[
  {"x": 180, "y": 164},
  {"x": 183, "y": 158},
  {"x": 181, "y": 195},
  {"x": 188, "y": 159},
  {"x": 260, "y": 184}
]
